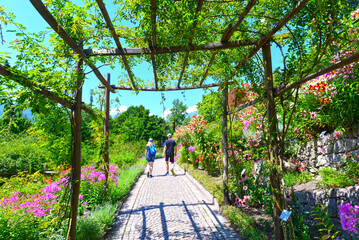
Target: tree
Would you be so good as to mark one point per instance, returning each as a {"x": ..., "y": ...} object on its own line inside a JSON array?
[
  {"x": 137, "y": 124},
  {"x": 210, "y": 107},
  {"x": 178, "y": 113}
]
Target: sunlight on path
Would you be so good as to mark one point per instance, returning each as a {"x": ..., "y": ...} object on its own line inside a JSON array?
[{"x": 170, "y": 207}]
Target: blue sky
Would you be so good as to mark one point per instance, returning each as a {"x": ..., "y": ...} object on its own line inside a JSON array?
[{"x": 31, "y": 19}]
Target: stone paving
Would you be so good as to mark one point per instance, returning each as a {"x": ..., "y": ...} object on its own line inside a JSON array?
[{"x": 170, "y": 207}]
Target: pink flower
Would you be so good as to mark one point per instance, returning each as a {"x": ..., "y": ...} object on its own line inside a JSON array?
[
  {"x": 313, "y": 115},
  {"x": 245, "y": 188},
  {"x": 337, "y": 134},
  {"x": 296, "y": 130},
  {"x": 81, "y": 197},
  {"x": 288, "y": 197},
  {"x": 84, "y": 204}
]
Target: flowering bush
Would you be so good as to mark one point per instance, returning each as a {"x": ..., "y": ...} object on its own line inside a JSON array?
[{"x": 349, "y": 217}]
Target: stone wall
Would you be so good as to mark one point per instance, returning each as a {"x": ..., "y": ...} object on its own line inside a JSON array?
[
  {"x": 308, "y": 198},
  {"x": 328, "y": 151}
]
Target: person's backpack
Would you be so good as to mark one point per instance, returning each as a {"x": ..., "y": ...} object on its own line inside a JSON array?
[{"x": 152, "y": 150}]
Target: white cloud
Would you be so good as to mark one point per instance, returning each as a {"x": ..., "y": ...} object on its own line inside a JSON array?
[
  {"x": 192, "y": 109},
  {"x": 118, "y": 110},
  {"x": 166, "y": 113}
]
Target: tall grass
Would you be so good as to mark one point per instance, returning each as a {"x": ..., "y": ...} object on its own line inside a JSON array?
[{"x": 93, "y": 225}]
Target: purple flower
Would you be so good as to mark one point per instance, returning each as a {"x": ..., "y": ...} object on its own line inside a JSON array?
[
  {"x": 349, "y": 217},
  {"x": 101, "y": 177},
  {"x": 81, "y": 197},
  {"x": 191, "y": 149},
  {"x": 323, "y": 149},
  {"x": 84, "y": 204}
]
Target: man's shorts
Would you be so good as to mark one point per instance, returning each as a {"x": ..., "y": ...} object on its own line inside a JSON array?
[
  {"x": 170, "y": 157},
  {"x": 150, "y": 158}
]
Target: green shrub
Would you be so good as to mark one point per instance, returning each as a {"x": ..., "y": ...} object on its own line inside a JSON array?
[
  {"x": 125, "y": 154},
  {"x": 292, "y": 178},
  {"x": 125, "y": 181},
  {"x": 333, "y": 178},
  {"x": 22, "y": 153},
  {"x": 92, "y": 225},
  {"x": 245, "y": 223}
]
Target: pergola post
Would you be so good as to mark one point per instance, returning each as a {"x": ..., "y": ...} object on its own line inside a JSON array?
[
  {"x": 76, "y": 156},
  {"x": 225, "y": 142},
  {"x": 273, "y": 138},
  {"x": 107, "y": 129}
]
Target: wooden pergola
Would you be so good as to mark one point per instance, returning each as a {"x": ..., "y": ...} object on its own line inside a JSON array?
[{"x": 153, "y": 49}]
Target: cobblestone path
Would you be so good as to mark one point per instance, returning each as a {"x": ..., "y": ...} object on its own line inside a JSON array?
[{"x": 170, "y": 207}]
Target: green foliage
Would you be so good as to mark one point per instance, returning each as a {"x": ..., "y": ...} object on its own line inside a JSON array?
[
  {"x": 136, "y": 124},
  {"x": 22, "y": 152},
  {"x": 300, "y": 226},
  {"x": 178, "y": 113},
  {"x": 245, "y": 223},
  {"x": 210, "y": 107},
  {"x": 324, "y": 222},
  {"x": 125, "y": 181},
  {"x": 125, "y": 154},
  {"x": 332, "y": 178},
  {"x": 292, "y": 178},
  {"x": 92, "y": 225},
  {"x": 17, "y": 227},
  {"x": 13, "y": 121}
]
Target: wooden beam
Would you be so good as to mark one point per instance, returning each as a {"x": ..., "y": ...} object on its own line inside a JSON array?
[
  {"x": 208, "y": 66},
  {"x": 76, "y": 155},
  {"x": 225, "y": 37},
  {"x": 264, "y": 39},
  {"x": 273, "y": 136},
  {"x": 240, "y": 19},
  {"x": 280, "y": 90},
  {"x": 164, "y": 50},
  {"x": 154, "y": 68},
  {"x": 107, "y": 18},
  {"x": 153, "y": 21},
  {"x": 106, "y": 131},
  {"x": 198, "y": 9},
  {"x": 149, "y": 89},
  {"x": 225, "y": 143},
  {"x": 349, "y": 60},
  {"x": 24, "y": 81},
  {"x": 44, "y": 12},
  {"x": 154, "y": 39},
  {"x": 245, "y": 105}
]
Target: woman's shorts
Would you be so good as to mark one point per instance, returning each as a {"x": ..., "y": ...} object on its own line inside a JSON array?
[{"x": 150, "y": 158}]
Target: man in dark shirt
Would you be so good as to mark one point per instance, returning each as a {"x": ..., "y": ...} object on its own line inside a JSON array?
[{"x": 169, "y": 152}]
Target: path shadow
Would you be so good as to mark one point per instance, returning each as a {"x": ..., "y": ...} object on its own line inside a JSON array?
[
  {"x": 194, "y": 225},
  {"x": 163, "y": 221},
  {"x": 220, "y": 230}
]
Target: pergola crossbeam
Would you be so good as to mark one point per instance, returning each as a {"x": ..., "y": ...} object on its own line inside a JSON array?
[
  {"x": 198, "y": 9},
  {"x": 22, "y": 80},
  {"x": 264, "y": 39},
  {"x": 165, "y": 50},
  {"x": 117, "y": 87},
  {"x": 208, "y": 66},
  {"x": 49, "y": 18},
  {"x": 228, "y": 34},
  {"x": 115, "y": 38},
  {"x": 280, "y": 91}
]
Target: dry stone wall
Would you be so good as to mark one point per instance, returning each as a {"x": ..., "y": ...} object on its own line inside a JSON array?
[{"x": 327, "y": 151}]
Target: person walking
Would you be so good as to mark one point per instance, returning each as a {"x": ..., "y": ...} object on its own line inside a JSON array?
[
  {"x": 150, "y": 154},
  {"x": 169, "y": 153}
]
